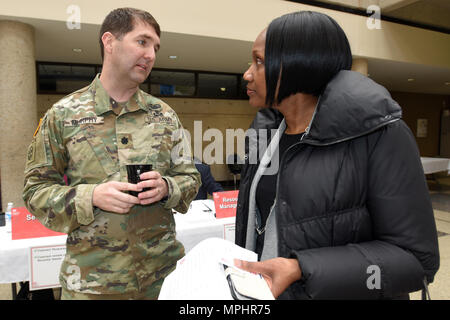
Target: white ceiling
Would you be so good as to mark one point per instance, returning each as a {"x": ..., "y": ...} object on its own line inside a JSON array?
[
  {"x": 55, "y": 43},
  {"x": 430, "y": 12},
  {"x": 193, "y": 52},
  {"x": 394, "y": 75}
]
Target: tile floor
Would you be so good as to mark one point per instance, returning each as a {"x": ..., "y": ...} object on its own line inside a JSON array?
[{"x": 440, "y": 288}]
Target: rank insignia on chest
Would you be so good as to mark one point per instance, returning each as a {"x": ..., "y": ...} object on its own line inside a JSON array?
[{"x": 125, "y": 141}]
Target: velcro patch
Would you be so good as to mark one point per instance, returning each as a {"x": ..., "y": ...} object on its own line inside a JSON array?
[
  {"x": 31, "y": 151},
  {"x": 85, "y": 120}
]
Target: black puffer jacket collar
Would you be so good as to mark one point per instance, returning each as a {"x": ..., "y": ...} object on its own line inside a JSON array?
[{"x": 351, "y": 105}]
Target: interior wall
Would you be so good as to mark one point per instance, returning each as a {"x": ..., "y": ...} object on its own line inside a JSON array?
[
  {"x": 214, "y": 114},
  {"x": 423, "y": 106}
]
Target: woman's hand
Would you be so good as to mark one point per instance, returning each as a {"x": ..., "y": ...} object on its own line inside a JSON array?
[{"x": 279, "y": 273}]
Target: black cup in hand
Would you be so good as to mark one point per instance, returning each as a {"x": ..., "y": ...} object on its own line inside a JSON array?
[{"x": 134, "y": 171}]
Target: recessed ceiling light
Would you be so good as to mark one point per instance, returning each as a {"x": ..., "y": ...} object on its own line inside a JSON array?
[
  {"x": 410, "y": 80},
  {"x": 173, "y": 57},
  {"x": 77, "y": 50}
]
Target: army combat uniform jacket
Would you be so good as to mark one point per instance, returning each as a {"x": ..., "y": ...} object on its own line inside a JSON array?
[{"x": 90, "y": 138}]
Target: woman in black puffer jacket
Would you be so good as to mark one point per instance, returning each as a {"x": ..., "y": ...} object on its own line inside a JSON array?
[{"x": 337, "y": 205}]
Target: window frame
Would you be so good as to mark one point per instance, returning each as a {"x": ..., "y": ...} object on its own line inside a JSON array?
[{"x": 147, "y": 82}]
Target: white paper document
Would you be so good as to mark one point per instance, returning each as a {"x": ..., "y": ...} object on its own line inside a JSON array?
[
  {"x": 200, "y": 275},
  {"x": 44, "y": 265}
]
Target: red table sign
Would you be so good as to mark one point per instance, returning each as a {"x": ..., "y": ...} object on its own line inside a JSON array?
[
  {"x": 225, "y": 203},
  {"x": 24, "y": 225}
]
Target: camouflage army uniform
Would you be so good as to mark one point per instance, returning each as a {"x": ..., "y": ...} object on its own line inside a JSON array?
[{"x": 83, "y": 137}]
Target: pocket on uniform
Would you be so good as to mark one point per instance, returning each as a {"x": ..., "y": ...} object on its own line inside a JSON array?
[
  {"x": 83, "y": 159},
  {"x": 152, "y": 145}
]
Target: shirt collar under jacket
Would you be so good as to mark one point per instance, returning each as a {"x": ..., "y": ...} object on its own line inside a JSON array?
[{"x": 103, "y": 100}]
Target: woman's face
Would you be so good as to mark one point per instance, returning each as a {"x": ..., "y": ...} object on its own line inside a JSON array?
[{"x": 255, "y": 75}]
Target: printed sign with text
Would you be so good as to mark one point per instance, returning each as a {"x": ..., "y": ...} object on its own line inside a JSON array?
[
  {"x": 225, "y": 203},
  {"x": 44, "y": 265},
  {"x": 24, "y": 225}
]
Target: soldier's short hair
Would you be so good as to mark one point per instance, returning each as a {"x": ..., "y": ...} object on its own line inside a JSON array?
[{"x": 121, "y": 21}]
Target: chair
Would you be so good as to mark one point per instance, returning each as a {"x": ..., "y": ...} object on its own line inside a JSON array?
[{"x": 234, "y": 164}]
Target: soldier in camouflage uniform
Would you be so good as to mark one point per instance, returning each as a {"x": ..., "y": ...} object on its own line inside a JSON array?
[{"x": 118, "y": 246}]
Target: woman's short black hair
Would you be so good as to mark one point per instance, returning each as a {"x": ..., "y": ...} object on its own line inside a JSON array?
[{"x": 303, "y": 51}]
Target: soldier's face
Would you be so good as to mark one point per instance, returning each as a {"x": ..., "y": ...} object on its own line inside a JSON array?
[{"x": 134, "y": 55}]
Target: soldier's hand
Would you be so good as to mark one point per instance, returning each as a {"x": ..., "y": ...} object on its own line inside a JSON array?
[
  {"x": 110, "y": 197},
  {"x": 158, "y": 185}
]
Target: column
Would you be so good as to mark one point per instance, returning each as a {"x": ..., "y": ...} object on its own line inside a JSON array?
[
  {"x": 18, "y": 110},
  {"x": 361, "y": 65}
]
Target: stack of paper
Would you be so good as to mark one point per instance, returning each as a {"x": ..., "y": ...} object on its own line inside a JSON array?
[{"x": 200, "y": 274}]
